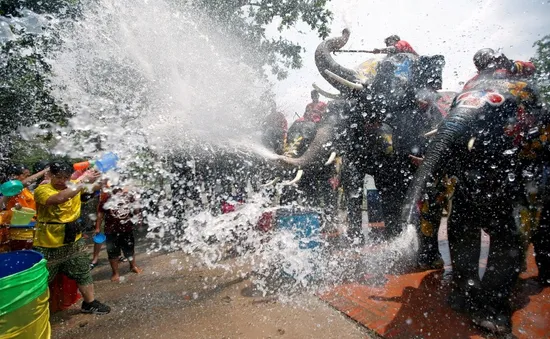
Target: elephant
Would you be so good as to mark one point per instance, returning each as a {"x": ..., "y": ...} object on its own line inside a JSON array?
[
  {"x": 493, "y": 143},
  {"x": 314, "y": 185},
  {"x": 377, "y": 121}
]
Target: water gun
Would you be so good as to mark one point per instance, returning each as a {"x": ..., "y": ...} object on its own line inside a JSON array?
[{"x": 107, "y": 162}]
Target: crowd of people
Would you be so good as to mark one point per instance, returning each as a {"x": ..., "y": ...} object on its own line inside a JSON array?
[{"x": 61, "y": 231}]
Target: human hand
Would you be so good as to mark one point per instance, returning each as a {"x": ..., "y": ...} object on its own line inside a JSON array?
[
  {"x": 376, "y": 51},
  {"x": 90, "y": 176}
]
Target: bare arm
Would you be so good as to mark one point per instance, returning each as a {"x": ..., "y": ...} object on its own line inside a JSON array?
[
  {"x": 387, "y": 50},
  {"x": 70, "y": 192},
  {"x": 99, "y": 220},
  {"x": 65, "y": 195},
  {"x": 29, "y": 180}
]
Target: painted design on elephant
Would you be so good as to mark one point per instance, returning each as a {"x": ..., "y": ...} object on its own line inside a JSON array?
[
  {"x": 477, "y": 99},
  {"x": 291, "y": 148},
  {"x": 522, "y": 124},
  {"x": 367, "y": 70},
  {"x": 520, "y": 90},
  {"x": 403, "y": 69}
]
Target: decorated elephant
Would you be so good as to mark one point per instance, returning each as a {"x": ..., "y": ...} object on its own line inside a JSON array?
[
  {"x": 493, "y": 143},
  {"x": 313, "y": 185},
  {"x": 377, "y": 122}
]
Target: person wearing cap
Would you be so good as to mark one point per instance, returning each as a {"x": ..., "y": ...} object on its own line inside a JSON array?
[
  {"x": 494, "y": 64},
  {"x": 58, "y": 235},
  {"x": 394, "y": 45}
]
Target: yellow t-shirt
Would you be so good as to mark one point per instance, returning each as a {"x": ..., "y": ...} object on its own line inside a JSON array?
[{"x": 50, "y": 227}]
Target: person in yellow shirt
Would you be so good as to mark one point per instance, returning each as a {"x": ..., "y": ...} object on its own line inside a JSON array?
[{"x": 58, "y": 235}]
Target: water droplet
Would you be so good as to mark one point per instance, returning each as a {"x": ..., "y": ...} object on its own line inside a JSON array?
[
  {"x": 409, "y": 321},
  {"x": 511, "y": 176},
  {"x": 471, "y": 282}
]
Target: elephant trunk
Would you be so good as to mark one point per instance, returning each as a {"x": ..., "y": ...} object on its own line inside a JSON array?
[
  {"x": 449, "y": 131},
  {"x": 324, "y": 61}
]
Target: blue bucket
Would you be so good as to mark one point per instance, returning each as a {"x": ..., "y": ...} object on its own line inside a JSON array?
[
  {"x": 99, "y": 238},
  {"x": 11, "y": 188},
  {"x": 107, "y": 162},
  {"x": 306, "y": 227},
  {"x": 18, "y": 261}
]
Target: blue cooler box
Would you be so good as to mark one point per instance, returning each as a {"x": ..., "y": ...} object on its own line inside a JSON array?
[{"x": 305, "y": 225}]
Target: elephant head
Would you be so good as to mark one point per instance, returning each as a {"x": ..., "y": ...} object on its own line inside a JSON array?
[
  {"x": 485, "y": 129},
  {"x": 379, "y": 92}
]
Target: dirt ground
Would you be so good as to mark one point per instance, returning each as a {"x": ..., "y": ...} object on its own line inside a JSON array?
[{"x": 176, "y": 298}]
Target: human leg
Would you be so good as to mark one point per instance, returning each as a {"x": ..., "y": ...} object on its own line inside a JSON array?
[
  {"x": 77, "y": 267},
  {"x": 113, "y": 253},
  {"x": 95, "y": 257},
  {"x": 127, "y": 244}
]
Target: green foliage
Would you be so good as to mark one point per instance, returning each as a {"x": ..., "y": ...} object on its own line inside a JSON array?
[
  {"x": 29, "y": 152},
  {"x": 542, "y": 62},
  {"x": 25, "y": 87},
  {"x": 248, "y": 19},
  {"x": 13, "y": 7}
]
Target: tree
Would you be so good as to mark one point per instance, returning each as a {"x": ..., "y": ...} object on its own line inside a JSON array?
[
  {"x": 14, "y": 7},
  {"x": 247, "y": 19},
  {"x": 542, "y": 63},
  {"x": 25, "y": 87}
]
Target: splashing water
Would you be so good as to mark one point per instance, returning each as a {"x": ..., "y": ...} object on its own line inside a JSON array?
[
  {"x": 144, "y": 75},
  {"x": 141, "y": 71}
]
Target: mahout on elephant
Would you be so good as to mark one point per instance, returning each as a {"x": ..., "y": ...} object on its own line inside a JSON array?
[
  {"x": 377, "y": 122},
  {"x": 493, "y": 144}
]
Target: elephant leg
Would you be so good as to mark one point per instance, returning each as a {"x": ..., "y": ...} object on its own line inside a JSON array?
[
  {"x": 352, "y": 180},
  {"x": 506, "y": 255},
  {"x": 327, "y": 194},
  {"x": 464, "y": 235},
  {"x": 430, "y": 220},
  {"x": 391, "y": 180},
  {"x": 541, "y": 243}
]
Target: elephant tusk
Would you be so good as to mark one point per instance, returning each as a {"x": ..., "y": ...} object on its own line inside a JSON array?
[
  {"x": 471, "y": 143},
  {"x": 343, "y": 81},
  {"x": 271, "y": 183},
  {"x": 331, "y": 158},
  {"x": 430, "y": 133},
  {"x": 296, "y": 178},
  {"x": 325, "y": 93}
]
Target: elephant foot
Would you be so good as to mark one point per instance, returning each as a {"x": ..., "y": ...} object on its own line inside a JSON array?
[
  {"x": 436, "y": 264},
  {"x": 462, "y": 301},
  {"x": 544, "y": 278},
  {"x": 493, "y": 322},
  {"x": 458, "y": 301}
]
